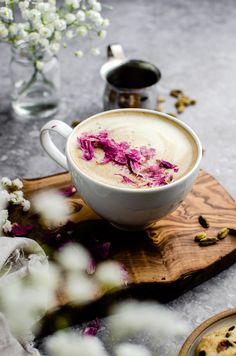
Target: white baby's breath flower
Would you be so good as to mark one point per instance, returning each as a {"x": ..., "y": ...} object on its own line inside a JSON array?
[
  {"x": 60, "y": 25},
  {"x": 151, "y": 318},
  {"x": 6, "y": 182},
  {"x": 16, "y": 197},
  {"x": 92, "y": 2},
  {"x": 57, "y": 36},
  {"x": 49, "y": 17},
  {"x": 109, "y": 274},
  {"x": 70, "y": 34},
  {"x": 13, "y": 30},
  {"x": 6, "y": 14},
  {"x": 81, "y": 31},
  {"x": 17, "y": 183},
  {"x": 78, "y": 54},
  {"x": 51, "y": 206},
  {"x": 93, "y": 15},
  {"x": 33, "y": 37},
  {"x": 23, "y": 5},
  {"x": 95, "y": 51},
  {"x": 127, "y": 349},
  {"x": 75, "y": 4},
  {"x": 80, "y": 288},
  {"x": 106, "y": 22},
  {"x": 69, "y": 343},
  {"x": 7, "y": 226},
  {"x": 97, "y": 6},
  {"x": 4, "y": 199},
  {"x": 81, "y": 15},
  {"x": 25, "y": 13},
  {"x": 44, "y": 42},
  {"x": 45, "y": 32},
  {"x": 74, "y": 257},
  {"x": 54, "y": 47},
  {"x": 34, "y": 15},
  {"x": 3, "y": 32},
  {"x": 25, "y": 205},
  {"x": 47, "y": 276},
  {"x": 70, "y": 18},
  {"x": 43, "y": 7},
  {"x": 3, "y": 216}
]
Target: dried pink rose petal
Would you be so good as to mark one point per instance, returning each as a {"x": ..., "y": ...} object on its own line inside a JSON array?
[
  {"x": 20, "y": 230},
  {"x": 126, "y": 179},
  {"x": 68, "y": 191},
  {"x": 147, "y": 152},
  {"x": 168, "y": 165},
  {"x": 134, "y": 159},
  {"x": 92, "y": 328}
]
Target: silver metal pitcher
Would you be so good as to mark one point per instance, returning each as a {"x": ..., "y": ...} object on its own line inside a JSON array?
[{"x": 130, "y": 83}]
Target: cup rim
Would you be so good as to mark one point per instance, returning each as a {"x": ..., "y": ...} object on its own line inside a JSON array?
[{"x": 141, "y": 190}]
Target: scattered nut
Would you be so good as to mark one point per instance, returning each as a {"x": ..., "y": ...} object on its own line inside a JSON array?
[
  {"x": 223, "y": 233},
  {"x": 208, "y": 241},
  {"x": 203, "y": 222},
  {"x": 200, "y": 236}
]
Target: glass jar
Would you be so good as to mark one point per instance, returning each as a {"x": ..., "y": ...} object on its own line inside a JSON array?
[{"x": 35, "y": 78}]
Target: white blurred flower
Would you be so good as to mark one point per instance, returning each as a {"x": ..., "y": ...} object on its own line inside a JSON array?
[
  {"x": 3, "y": 217},
  {"x": 54, "y": 47},
  {"x": 13, "y": 31},
  {"x": 97, "y": 6},
  {"x": 25, "y": 205},
  {"x": 43, "y": 7},
  {"x": 79, "y": 54},
  {"x": 75, "y": 4},
  {"x": 17, "y": 183},
  {"x": 81, "y": 15},
  {"x": 106, "y": 22},
  {"x": 57, "y": 36},
  {"x": 127, "y": 349},
  {"x": 65, "y": 343},
  {"x": 4, "y": 199},
  {"x": 74, "y": 257},
  {"x": 70, "y": 34},
  {"x": 33, "y": 37},
  {"x": 93, "y": 15},
  {"x": 80, "y": 288},
  {"x": 3, "y": 32},
  {"x": 34, "y": 15},
  {"x": 6, "y": 14},
  {"x": 16, "y": 197},
  {"x": 81, "y": 31},
  {"x": 151, "y": 318},
  {"x": 95, "y": 51},
  {"x": 70, "y": 18},
  {"x": 7, "y": 226},
  {"x": 49, "y": 17},
  {"x": 51, "y": 205},
  {"x": 45, "y": 32},
  {"x": 23, "y": 5},
  {"x": 109, "y": 274},
  {"x": 44, "y": 42},
  {"x": 6, "y": 182},
  {"x": 60, "y": 25}
]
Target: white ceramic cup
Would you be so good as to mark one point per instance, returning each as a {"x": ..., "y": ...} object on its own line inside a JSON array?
[{"x": 126, "y": 208}]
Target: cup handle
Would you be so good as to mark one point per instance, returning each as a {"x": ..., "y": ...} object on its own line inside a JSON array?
[{"x": 46, "y": 141}]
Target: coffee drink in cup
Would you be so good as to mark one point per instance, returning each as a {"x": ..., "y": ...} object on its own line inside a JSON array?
[{"x": 134, "y": 150}]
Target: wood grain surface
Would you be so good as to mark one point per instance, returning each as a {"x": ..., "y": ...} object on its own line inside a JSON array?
[{"x": 163, "y": 261}]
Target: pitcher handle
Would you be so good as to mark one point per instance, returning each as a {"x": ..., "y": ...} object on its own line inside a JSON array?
[
  {"x": 46, "y": 141},
  {"x": 115, "y": 51}
]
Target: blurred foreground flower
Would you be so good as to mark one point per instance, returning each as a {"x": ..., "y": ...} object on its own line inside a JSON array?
[
  {"x": 52, "y": 207},
  {"x": 69, "y": 343},
  {"x": 128, "y": 349},
  {"x": 151, "y": 318}
]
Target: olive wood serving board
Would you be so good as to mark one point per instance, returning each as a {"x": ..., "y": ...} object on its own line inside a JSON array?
[{"x": 164, "y": 261}]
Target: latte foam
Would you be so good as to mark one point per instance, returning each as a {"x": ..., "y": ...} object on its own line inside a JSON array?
[{"x": 172, "y": 143}]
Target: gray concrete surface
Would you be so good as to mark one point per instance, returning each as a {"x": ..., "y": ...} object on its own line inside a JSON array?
[{"x": 194, "y": 45}]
